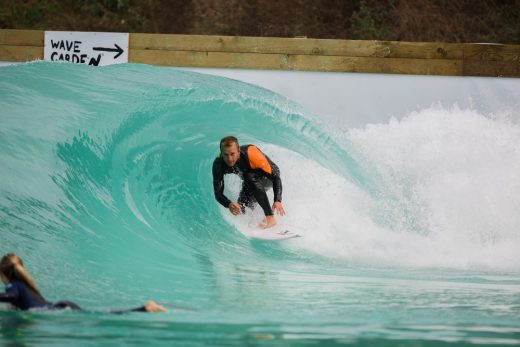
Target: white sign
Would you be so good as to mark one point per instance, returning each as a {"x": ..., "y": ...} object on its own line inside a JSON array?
[{"x": 89, "y": 48}]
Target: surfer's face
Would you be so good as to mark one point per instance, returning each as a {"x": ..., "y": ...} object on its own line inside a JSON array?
[{"x": 230, "y": 154}]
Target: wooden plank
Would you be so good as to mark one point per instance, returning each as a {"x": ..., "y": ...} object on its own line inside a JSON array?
[
  {"x": 491, "y": 68},
  {"x": 296, "y": 54},
  {"x": 492, "y": 52},
  {"x": 14, "y": 37},
  {"x": 20, "y": 53},
  {"x": 206, "y": 59},
  {"x": 297, "y": 62},
  {"x": 354, "y": 48},
  {"x": 441, "y": 67},
  {"x": 491, "y": 60},
  {"x": 418, "y": 50}
]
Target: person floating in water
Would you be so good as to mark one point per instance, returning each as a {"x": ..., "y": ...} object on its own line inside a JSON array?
[
  {"x": 258, "y": 172},
  {"x": 22, "y": 293}
]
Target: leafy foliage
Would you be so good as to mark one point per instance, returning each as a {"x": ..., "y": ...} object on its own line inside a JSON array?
[{"x": 418, "y": 20}]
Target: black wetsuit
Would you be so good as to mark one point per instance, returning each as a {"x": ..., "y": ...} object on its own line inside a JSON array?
[
  {"x": 21, "y": 296},
  {"x": 258, "y": 173},
  {"x": 18, "y": 294}
]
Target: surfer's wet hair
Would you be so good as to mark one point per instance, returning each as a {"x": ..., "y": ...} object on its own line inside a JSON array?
[{"x": 228, "y": 141}]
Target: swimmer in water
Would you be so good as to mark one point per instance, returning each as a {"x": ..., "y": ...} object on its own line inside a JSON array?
[{"x": 22, "y": 293}]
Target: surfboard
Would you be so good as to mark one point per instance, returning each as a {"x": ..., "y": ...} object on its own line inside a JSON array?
[{"x": 273, "y": 234}]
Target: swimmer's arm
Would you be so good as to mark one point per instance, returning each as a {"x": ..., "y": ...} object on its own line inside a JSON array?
[
  {"x": 11, "y": 295},
  {"x": 149, "y": 306},
  {"x": 137, "y": 309},
  {"x": 7, "y": 297}
]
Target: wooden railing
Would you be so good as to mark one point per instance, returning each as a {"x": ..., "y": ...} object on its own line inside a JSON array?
[{"x": 302, "y": 54}]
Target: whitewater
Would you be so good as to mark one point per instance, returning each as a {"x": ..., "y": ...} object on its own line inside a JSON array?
[{"x": 410, "y": 226}]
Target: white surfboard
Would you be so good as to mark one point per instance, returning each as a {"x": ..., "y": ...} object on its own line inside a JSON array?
[{"x": 272, "y": 234}]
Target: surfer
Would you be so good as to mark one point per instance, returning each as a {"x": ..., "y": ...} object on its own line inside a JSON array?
[
  {"x": 22, "y": 293},
  {"x": 258, "y": 174}
]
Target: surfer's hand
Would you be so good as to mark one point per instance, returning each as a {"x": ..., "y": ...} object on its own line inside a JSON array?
[
  {"x": 278, "y": 208},
  {"x": 234, "y": 208}
]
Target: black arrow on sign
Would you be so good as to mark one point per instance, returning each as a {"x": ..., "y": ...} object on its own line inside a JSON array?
[{"x": 117, "y": 49}]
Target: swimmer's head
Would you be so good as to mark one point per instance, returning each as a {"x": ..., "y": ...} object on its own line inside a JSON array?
[
  {"x": 11, "y": 267},
  {"x": 229, "y": 150},
  {"x": 8, "y": 265}
]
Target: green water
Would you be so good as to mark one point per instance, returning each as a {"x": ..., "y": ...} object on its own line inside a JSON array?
[{"x": 106, "y": 195}]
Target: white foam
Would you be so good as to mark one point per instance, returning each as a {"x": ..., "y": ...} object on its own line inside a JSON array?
[
  {"x": 449, "y": 195},
  {"x": 451, "y": 176}
]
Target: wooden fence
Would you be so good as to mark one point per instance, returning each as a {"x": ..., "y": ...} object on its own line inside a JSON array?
[{"x": 301, "y": 54}]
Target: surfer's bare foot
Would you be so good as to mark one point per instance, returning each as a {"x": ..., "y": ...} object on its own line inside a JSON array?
[
  {"x": 152, "y": 306},
  {"x": 268, "y": 222}
]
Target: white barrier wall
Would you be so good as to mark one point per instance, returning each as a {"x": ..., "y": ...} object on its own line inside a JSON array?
[{"x": 350, "y": 100}]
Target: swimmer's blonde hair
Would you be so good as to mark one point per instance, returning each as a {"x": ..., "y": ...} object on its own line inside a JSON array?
[{"x": 11, "y": 266}]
